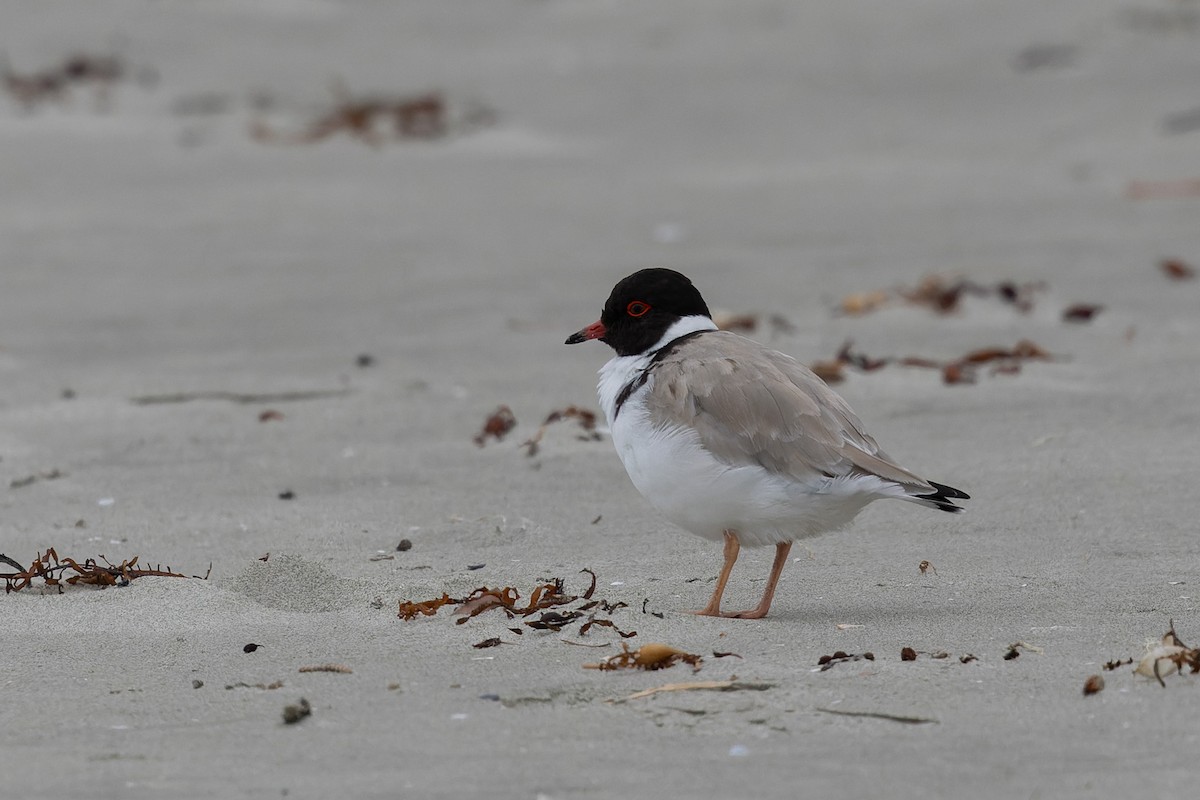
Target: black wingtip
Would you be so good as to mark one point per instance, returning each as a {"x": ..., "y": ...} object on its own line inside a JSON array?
[
  {"x": 941, "y": 499},
  {"x": 944, "y": 491}
]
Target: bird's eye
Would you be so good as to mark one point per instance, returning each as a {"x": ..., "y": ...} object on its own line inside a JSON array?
[{"x": 637, "y": 309}]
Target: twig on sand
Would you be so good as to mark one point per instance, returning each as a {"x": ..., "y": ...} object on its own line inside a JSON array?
[
  {"x": 879, "y": 715},
  {"x": 731, "y": 685},
  {"x": 237, "y": 397}
]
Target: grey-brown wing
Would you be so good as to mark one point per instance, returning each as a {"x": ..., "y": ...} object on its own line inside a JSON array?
[{"x": 752, "y": 405}]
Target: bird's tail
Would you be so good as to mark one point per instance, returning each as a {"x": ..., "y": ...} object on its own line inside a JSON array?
[{"x": 942, "y": 499}]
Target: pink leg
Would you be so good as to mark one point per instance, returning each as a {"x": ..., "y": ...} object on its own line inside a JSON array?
[
  {"x": 732, "y": 546},
  {"x": 764, "y": 605}
]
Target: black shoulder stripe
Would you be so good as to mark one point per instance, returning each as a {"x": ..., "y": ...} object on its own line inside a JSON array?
[
  {"x": 629, "y": 389},
  {"x": 643, "y": 376}
]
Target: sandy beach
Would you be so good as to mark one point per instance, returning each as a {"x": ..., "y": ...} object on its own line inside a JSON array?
[{"x": 262, "y": 284}]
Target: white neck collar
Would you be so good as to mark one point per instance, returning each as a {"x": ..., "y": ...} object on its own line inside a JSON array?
[{"x": 682, "y": 327}]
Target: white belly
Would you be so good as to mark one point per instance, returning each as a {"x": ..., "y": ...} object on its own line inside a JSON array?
[{"x": 697, "y": 492}]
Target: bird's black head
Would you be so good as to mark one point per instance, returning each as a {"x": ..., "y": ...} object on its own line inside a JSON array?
[{"x": 641, "y": 308}]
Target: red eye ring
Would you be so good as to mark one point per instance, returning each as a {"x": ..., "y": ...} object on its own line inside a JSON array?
[{"x": 637, "y": 309}]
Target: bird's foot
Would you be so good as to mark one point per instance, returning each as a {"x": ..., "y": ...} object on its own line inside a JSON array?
[{"x": 753, "y": 613}]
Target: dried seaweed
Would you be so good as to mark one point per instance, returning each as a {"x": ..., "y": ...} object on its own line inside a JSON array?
[
  {"x": 828, "y": 662},
  {"x": 860, "y": 361},
  {"x": 495, "y": 641},
  {"x": 730, "y": 321},
  {"x": 497, "y": 425},
  {"x": 829, "y": 371},
  {"x": 1081, "y": 312},
  {"x": 1168, "y": 655},
  {"x": 587, "y": 595},
  {"x": 606, "y": 623},
  {"x": 861, "y": 303},
  {"x": 409, "y": 609},
  {"x": 1177, "y": 270},
  {"x": 53, "y": 84},
  {"x": 1014, "y": 650},
  {"x": 53, "y": 569},
  {"x": 546, "y": 595},
  {"x": 374, "y": 120},
  {"x": 586, "y": 419},
  {"x": 650, "y": 656},
  {"x": 553, "y": 620},
  {"x": 339, "y": 668},
  {"x": 547, "y": 598},
  {"x": 1161, "y": 657},
  {"x": 1003, "y": 361},
  {"x": 942, "y": 295},
  {"x": 646, "y": 602}
]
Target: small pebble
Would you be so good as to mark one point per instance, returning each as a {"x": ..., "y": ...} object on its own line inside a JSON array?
[
  {"x": 294, "y": 713},
  {"x": 404, "y": 545}
]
